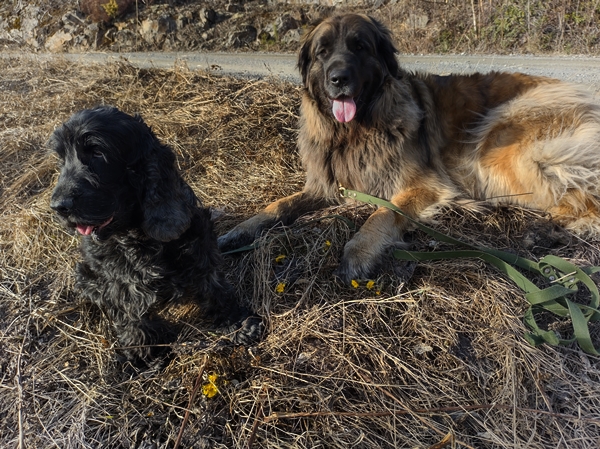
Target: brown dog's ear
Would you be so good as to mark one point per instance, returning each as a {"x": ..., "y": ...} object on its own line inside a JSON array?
[
  {"x": 385, "y": 48},
  {"x": 305, "y": 54}
]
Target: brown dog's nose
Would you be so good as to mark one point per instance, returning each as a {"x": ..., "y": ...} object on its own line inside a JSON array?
[{"x": 339, "y": 77}]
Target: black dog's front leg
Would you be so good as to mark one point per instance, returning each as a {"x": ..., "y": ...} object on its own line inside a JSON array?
[
  {"x": 219, "y": 303},
  {"x": 126, "y": 307},
  {"x": 144, "y": 340}
]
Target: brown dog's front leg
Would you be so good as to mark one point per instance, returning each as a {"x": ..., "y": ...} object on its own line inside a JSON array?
[
  {"x": 284, "y": 211},
  {"x": 385, "y": 228}
]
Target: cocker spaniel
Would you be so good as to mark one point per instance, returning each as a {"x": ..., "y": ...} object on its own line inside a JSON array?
[{"x": 146, "y": 239}]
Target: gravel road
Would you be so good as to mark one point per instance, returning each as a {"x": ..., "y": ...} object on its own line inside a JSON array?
[
  {"x": 569, "y": 68},
  {"x": 576, "y": 69}
]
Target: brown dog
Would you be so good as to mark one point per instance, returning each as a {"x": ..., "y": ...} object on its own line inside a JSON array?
[{"x": 423, "y": 140}]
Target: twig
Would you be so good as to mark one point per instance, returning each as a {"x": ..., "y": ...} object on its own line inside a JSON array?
[
  {"x": 259, "y": 418},
  {"x": 20, "y": 389},
  {"x": 283, "y": 415},
  {"x": 466, "y": 408},
  {"x": 20, "y": 396},
  {"x": 191, "y": 401}
]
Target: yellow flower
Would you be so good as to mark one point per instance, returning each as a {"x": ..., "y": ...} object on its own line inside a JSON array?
[
  {"x": 280, "y": 258},
  {"x": 210, "y": 389},
  {"x": 370, "y": 285},
  {"x": 326, "y": 245},
  {"x": 280, "y": 287},
  {"x": 354, "y": 283}
]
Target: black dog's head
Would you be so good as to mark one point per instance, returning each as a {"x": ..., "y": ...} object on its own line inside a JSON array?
[
  {"x": 344, "y": 61},
  {"x": 115, "y": 176}
]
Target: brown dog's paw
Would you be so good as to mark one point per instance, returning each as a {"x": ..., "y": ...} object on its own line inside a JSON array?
[
  {"x": 244, "y": 233},
  {"x": 234, "y": 239},
  {"x": 362, "y": 257}
]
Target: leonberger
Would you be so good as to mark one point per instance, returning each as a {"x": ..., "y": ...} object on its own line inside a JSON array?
[{"x": 422, "y": 141}]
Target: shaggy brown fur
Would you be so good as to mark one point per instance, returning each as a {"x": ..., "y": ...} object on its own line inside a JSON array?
[{"x": 423, "y": 140}]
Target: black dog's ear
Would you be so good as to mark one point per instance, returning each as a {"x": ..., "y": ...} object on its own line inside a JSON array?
[
  {"x": 167, "y": 201},
  {"x": 385, "y": 48},
  {"x": 305, "y": 54}
]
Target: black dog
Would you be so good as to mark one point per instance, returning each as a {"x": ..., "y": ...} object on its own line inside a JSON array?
[{"x": 146, "y": 239}]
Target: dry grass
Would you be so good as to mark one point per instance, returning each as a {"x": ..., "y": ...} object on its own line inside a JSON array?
[{"x": 439, "y": 351}]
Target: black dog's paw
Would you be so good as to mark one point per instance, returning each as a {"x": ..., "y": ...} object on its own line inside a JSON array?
[
  {"x": 250, "y": 331},
  {"x": 247, "y": 331}
]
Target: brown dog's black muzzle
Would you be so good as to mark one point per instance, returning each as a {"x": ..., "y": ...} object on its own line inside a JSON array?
[{"x": 342, "y": 77}]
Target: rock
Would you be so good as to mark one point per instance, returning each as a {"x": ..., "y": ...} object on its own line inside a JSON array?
[
  {"x": 56, "y": 42},
  {"x": 73, "y": 22},
  {"x": 184, "y": 19},
  {"x": 94, "y": 36},
  {"x": 73, "y": 18},
  {"x": 291, "y": 36},
  {"x": 417, "y": 21},
  {"x": 285, "y": 23},
  {"x": 207, "y": 17},
  {"x": 243, "y": 36},
  {"x": 124, "y": 40},
  {"x": 148, "y": 30},
  {"x": 23, "y": 28},
  {"x": 156, "y": 31},
  {"x": 232, "y": 7}
]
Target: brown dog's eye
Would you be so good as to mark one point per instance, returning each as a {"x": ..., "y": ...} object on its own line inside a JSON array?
[{"x": 358, "y": 44}]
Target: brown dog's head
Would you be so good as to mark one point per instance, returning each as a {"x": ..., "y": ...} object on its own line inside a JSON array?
[{"x": 344, "y": 61}]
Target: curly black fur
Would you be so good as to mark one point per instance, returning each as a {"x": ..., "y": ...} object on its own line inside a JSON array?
[{"x": 147, "y": 241}]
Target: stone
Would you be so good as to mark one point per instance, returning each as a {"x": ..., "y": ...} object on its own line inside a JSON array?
[
  {"x": 207, "y": 17},
  {"x": 417, "y": 21},
  {"x": 285, "y": 23},
  {"x": 73, "y": 19},
  {"x": 243, "y": 36},
  {"x": 291, "y": 36},
  {"x": 232, "y": 7},
  {"x": 94, "y": 35},
  {"x": 56, "y": 42},
  {"x": 148, "y": 30}
]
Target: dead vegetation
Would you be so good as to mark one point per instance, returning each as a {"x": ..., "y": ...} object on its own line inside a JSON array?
[{"x": 430, "y": 356}]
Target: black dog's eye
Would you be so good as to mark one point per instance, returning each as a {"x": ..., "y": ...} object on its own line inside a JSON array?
[{"x": 98, "y": 153}]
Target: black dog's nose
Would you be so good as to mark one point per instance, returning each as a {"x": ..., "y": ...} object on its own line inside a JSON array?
[
  {"x": 339, "y": 77},
  {"x": 62, "y": 205}
]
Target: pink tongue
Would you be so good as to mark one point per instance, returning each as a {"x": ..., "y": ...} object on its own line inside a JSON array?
[
  {"x": 85, "y": 230},
  {"x": 344, "y": 109}
]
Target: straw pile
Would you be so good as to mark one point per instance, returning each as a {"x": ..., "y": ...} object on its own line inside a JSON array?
[{"x": 427, "y": 356}]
